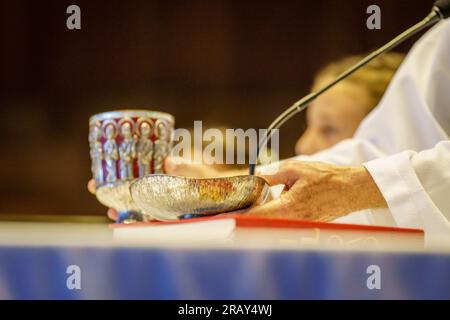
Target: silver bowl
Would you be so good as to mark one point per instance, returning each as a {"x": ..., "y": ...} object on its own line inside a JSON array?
[
  {"x": 117, "y": 195},
  {"x": 167, "y": 198}
]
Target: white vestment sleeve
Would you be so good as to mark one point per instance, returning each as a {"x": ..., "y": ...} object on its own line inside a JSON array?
[{"x": 416, "y": 187}]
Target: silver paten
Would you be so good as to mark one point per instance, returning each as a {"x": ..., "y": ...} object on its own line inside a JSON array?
[
  {"x": 166, "y": 197},
  {"x": 117, "y": 196}
]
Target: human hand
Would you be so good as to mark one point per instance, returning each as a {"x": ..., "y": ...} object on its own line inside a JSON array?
[
  {"x": 320, "y": 192},
  {"x": 180, "y": 167}
]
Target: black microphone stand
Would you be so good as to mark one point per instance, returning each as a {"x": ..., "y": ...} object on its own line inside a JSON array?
[{"x": 438, "y": 13}]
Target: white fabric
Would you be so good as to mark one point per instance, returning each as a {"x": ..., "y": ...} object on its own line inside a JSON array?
[{"x": 413, "y": 116}]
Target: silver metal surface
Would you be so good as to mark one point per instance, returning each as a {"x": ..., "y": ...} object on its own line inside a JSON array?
[
  {"x": 131, "y": 113},
  {"x": 129, "y": 144},
  {"x": 166, "y": 197},
  {"x": 132, "y": 144},
  {"x": 117, "y": 196},
  {"x": 125, "y": 145}
]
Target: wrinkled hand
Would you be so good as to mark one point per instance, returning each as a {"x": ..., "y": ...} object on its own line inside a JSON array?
[{"x": 320, "y": 192}]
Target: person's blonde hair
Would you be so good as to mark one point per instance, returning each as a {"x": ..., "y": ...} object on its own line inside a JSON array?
[{"x": 374, "y": 77}]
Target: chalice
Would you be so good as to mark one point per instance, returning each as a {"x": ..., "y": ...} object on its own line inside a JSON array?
[{"x": 126, "y": 145}]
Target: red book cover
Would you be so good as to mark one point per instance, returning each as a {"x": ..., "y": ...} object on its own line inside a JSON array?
[
  {"x": 282, "y": 223},
  {"x": 240, "y": 230}
]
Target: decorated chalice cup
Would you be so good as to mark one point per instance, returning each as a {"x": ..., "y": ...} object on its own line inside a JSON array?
[{"x": 126, "y": 145}]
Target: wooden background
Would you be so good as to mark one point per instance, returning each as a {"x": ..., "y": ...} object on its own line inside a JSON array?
[{"x": 227, "y": 62}]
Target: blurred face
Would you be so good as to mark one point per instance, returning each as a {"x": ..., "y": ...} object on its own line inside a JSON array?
[
  {"x": 145, "y": 129},
  {"x": 126, "y": 130},
  {"x": 110, "y": 132},
  {"x": 333, "y": 117},
  {"x": 96, "y": 133},
  {"x": 162, "y": 132}
]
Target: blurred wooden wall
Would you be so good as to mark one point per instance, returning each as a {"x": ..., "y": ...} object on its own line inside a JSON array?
[{"x": 228, "y": 62}]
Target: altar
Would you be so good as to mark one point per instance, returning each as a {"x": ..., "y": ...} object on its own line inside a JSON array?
[{"x": 41, "y": 260}]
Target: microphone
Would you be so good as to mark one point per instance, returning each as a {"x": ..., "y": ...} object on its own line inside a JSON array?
[
  {"x": 440, "y": 11},
  {"x": 442, "y": 7}
]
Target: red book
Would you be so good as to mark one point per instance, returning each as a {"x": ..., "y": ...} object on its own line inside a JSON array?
[{"x": 242, "y": 229}]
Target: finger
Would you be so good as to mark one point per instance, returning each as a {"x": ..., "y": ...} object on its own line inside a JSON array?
[
  {"x": 288, "y": 174},
  {"x": 270, "y": 209},
  {"x": 169, "y": 165},
  {"x": 281, "y": 177},
  {"x": 91, "y": 186},
  {"x": 112, "y": 214},
  {"x": 273, "y": 179},
  {"x": 178, "y": 166}
]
